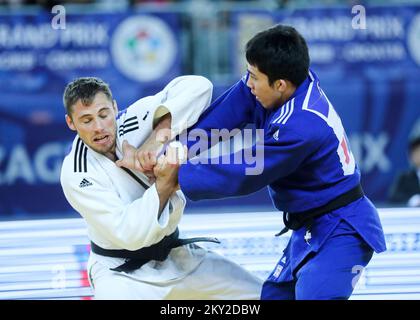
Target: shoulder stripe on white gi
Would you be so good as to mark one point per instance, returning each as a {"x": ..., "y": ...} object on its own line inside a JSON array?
[
  {"x": 85, "y": 158},
  {"x": 75, "y": 154},
  {"x": 129, "y": 119},
  {"x": 80, "y": 157},
  {"x": 126, "y": 130},
  {"x": 129, "y": 124}
]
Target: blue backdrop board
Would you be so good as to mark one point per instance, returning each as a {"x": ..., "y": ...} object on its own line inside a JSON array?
[
  {"x": 370, "y": 72},
  {"x": 371, "y": 75},
  {"x": 135, "y": 53}
]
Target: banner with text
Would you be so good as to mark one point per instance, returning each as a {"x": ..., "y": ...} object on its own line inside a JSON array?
[
  {"x": 368, "y": 61},
  {"x": 137, "y": 54}
]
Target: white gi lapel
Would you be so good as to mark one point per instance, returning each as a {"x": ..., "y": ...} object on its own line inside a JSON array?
[{"x": 128, "y": 188}]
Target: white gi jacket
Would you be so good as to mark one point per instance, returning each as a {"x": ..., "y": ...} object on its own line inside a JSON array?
[{"x": 119, "y": 212}]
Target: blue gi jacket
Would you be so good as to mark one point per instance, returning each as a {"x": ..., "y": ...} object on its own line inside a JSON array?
[{"x": 307, "y": 162}]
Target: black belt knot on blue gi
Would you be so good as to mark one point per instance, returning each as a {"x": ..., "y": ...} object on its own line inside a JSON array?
[
  {"x": 158, "y": 251},
  {"x": 296, "y": 220}
]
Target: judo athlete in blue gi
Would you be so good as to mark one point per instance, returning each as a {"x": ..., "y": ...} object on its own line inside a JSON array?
[{"x": 308, "y": 167}]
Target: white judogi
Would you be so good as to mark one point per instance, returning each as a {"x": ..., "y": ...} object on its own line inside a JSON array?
[{"x": 121, "y": 214}]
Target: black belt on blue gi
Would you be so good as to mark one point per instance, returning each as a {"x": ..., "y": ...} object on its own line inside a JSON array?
[
  {"x": 158, "y": 251},
  {"x": 296, "y": 220}
]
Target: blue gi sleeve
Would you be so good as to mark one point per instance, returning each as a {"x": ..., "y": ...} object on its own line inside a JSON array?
[{"x": 248, "y": 170}]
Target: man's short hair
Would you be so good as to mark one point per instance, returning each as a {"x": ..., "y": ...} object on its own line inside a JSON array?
[
  {"x": 413, "y": 144},
  {"x": 84, "y": 89},
  {"x": 280, "y": 53},
  {"x": 414, "y": 137}
]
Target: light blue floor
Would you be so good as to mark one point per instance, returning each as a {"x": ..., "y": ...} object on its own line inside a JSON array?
[{"x": 46, "y": 259}]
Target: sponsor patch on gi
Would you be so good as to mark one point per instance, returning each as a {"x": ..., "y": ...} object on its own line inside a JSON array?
[{"x": 85, "y": 183}]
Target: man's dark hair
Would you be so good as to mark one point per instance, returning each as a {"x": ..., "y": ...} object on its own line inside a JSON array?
[
  {"x": 414, "y": 137},
  {"x": 413, "y": 144},
  {"x": 84, "y": 89},
  {"x": 281, "y": 53}
]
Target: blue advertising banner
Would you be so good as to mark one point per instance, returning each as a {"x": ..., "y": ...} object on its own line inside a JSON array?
[
  {"x": 132, "y": 52},
  {"x": 370, "y": 72},
  {"x": 346, "y": 42},
  {"x": 137, "y": 54},
  {"x": 368, "y": 61}
]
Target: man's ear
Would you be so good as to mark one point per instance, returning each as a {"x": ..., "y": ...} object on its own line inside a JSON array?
[
  {"x": 280, "y": 85},
  {"x": 114, "y": 104},
  {"x": 70, "y": 123},
  {"x": 284, "y": 86}
]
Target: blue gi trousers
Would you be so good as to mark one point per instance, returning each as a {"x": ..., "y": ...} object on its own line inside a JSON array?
[{"x": 329, "y": 273}]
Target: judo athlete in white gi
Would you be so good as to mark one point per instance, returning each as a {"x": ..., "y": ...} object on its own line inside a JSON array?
[{"x": 132, "y": 220}]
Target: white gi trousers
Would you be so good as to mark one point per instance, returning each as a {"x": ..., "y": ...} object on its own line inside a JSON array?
[{"x": 214, "y": 278}]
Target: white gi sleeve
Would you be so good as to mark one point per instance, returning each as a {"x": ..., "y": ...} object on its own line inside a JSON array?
[
  {"x": 128, "y": 226},
  {"x": 185, "y": 98}
]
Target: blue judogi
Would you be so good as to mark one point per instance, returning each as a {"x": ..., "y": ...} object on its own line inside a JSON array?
[{"x": 307, "y": 163}]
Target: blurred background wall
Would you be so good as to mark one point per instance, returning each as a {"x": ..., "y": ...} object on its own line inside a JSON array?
[{"x": 370, "y": 72}]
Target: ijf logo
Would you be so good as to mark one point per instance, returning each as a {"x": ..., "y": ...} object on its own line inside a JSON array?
[{"x": 143, "y": 48}]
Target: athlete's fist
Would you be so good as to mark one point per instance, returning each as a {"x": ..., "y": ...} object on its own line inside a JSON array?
[
  {"x": 129, "y": 159},
  {"x": 167, "y": 167},
  {"x": 132, "y": 160}
]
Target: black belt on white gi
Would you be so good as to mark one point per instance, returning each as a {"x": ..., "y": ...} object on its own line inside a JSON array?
[
  {"x": 158, "y": 251},
  {"x": 296, "y": 220}
]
